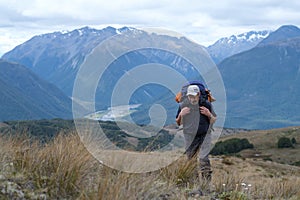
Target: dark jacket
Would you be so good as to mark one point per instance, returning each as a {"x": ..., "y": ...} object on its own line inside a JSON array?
[{"x": 195, "y": 122}]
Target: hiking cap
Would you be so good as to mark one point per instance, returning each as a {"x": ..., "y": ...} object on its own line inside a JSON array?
[{"x": 193, "y": 90}]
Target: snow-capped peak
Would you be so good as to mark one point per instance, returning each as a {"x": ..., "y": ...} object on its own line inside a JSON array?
[
  {"x": 251, "y": 36},
  {"x": 126, "y": 29},
  {"x": 234, "y": 44}
]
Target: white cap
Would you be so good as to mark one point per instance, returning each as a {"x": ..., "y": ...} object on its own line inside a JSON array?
[{"x": 193, "y": 90}]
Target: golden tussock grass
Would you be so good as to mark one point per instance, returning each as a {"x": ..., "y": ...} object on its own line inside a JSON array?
[{"x": 64, "y": 169}]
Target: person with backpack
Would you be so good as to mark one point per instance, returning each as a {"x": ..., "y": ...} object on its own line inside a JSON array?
[{"x": 196, "y": 115}]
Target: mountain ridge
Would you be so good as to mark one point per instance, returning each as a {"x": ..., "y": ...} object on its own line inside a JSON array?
[
  {"x": 59, "y": 63},
  {"x": 234, "y": 44},
  {"x": 283, "y": 33},
  {"x": 25, "y": 96},
  {"x": 268, "y": 78},
  {"x": 257, "y": 71}
]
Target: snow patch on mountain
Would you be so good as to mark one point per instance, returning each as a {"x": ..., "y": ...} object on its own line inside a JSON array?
[
  {"x": 228, "y": 46},
  {"x": 251, "y": 36}
]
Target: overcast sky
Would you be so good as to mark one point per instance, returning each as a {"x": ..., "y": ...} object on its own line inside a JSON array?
[{"x": 200, "y": 20}]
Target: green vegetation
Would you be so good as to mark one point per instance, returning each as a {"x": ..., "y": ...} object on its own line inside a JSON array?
[
  {"x": 266, "y": 144},
  {"x": 284, "y": 142},
  {"x": 297, "y": 163},
  {"x": 230, "y": 146},
  {"x": 46, "y": 130},
  {"x": 43, "y": 130},
  {"x": 233, "y": 195}
]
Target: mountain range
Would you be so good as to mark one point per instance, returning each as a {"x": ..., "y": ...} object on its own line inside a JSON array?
[
  {"x": 228, "y": 46},
  {"x": 57, "y": 57},
  {"x": 259, "y": 70},
  {"x": 262, "y": 84}
]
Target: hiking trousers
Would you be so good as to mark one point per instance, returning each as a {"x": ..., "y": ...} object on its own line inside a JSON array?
[{"x": 201, "y": 145}]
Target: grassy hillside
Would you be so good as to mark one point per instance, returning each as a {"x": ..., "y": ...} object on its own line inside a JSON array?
[
  {"x": 265, "y": 145},
  {"x": 63, "y": 169},
  {"x": 46, "y": 130}
]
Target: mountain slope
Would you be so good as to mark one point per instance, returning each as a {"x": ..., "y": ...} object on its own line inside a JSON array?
[
  {"x": 266, "y": 144},
  {"x": 23, "y": 95},
  {"x": 57, "y": 57},
  {"x": 228, "y": 46},
  {"x": 281, "y": 34},
  {"x": 262, "y": 85}
]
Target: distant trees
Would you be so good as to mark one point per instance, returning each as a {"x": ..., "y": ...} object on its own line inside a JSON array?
[
  {"x": 285, "y": 142},
  {"x": 46, "y": 130},
  {"x": 43, "y": 130},
  {"x": 235, "y": 145},
  {"x": 230, "y": 146}
]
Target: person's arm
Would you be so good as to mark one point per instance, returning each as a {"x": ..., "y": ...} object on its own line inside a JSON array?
[
  {"x": 178, "y": 116},
  {"x": 181, "y": 113},
  {"x": 212, "y": 119},
  {"x": 213, "y": 116},
  {"x": 205, "y": 111}
]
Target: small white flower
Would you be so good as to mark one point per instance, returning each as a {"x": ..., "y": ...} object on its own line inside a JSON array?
[
  {"x": 249, "y": 185},
  {"x": 224, "y": 184},
  {"x": 243, "y": 184}
]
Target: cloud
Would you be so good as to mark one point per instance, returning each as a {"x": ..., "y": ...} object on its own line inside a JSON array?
[{"x": 201, "y": 21}]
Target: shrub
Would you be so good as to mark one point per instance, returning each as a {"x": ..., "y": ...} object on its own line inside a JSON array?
[
  {"x": 294, "y": 141},
  {"x": 284, "y": 142},
  {"x": 230, "y": 146},
  {"x": 296, "y": 163}
]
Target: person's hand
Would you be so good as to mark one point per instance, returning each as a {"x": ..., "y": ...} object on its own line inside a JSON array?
[
  {"x": 205, "y": 111},
  {"x": 185, "y": 111}
]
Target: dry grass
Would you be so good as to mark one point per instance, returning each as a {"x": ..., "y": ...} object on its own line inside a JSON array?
[
  {"x": 256, "y": 179},
  {"x": 61, "y": 167},
  {"x": 182, "y": 173},
  {"x": 64, "y": 169}
]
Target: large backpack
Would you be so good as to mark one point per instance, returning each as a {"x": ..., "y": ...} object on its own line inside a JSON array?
[{"x": 205, "y": 93}]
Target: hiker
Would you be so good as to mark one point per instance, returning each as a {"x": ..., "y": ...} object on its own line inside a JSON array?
[{"x": 197, "y": 119}]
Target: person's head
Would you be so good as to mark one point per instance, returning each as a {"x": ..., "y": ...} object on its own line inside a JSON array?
[{"x": 193, "y": 94}]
